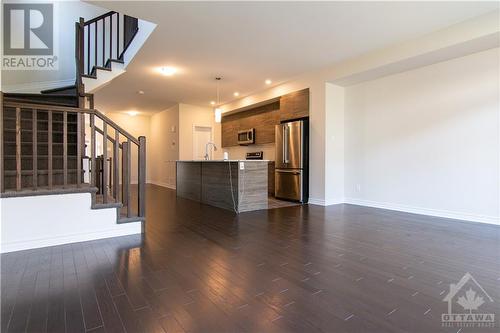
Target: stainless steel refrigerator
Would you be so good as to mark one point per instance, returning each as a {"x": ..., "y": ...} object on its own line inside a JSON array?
[{"x": 291, "y": 173}]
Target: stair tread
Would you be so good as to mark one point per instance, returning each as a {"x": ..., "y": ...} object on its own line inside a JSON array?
[
  {"x": 45, "y": 190},
  {"x": 50, "y": 91},
  {"x": 41, "y": 172}
]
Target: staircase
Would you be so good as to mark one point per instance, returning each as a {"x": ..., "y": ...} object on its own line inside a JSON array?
[
  {"x": 58, "y": 149},
  {"x": 101, "y": 45},
  {"x": 55, "y": 142}
]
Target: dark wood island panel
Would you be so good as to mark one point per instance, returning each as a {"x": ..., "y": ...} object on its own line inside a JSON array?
[{"x": 235, "y": 185}]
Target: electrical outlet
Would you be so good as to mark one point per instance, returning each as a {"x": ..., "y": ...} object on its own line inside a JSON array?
[{"x": 242, "y": 165}]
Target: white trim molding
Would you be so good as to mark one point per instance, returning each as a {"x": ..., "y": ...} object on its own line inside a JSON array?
[
  {"x": 162, "y": 184},
  {"x": 123, "y": 229},
  {"x": 426, "y": 211},
  {"x": 323, "y": 202},
  {"x": 55, "y": 220},
  {"x": 318, "y": 202},
  {"x": 36, "y": 87}
]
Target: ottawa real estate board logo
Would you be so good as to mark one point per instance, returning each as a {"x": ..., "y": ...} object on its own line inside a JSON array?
[
  {"x": 468, "y": 305},
  {"x": 29, "y": 36}
]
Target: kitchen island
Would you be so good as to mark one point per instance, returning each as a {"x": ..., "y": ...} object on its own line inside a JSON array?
[{"x": 237, "y": 185}]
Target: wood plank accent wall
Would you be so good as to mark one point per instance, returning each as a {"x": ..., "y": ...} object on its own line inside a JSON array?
[
  {"x": 294, "y": 105},
  {"x": 262, "y": 118}
]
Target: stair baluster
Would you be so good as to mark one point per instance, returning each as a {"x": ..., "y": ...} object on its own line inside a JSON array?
[
  {"x": 105, "y": 167},
  {"x": 18, "y": 149},
  {"x": 34, "y": 127},
  {"x": 60, "y": 132}
]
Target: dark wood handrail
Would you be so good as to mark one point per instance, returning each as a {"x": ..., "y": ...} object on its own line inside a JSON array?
[
  {"x": 100, "y": 17},
  {"x": 105, "y": 27},
  {"x": 60, "y": 116},
  {"x": 100, "y": 115}
]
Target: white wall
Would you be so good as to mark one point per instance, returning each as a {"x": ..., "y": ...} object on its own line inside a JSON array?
[
  {"x": 475, "y": 35},
  {"x": 137, "y": 126},
  {"x": 334, "y": 137},
  {"x": 190, "y": 116},
  {"x": 56, "y": 219},
  {"x": 67, "y": 13},
  {"x": 164, "y": 146},
  {"x": 427, "y": 140}
]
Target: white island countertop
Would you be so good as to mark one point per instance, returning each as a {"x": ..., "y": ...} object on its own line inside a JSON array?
[{"x": 223, "y": 161}]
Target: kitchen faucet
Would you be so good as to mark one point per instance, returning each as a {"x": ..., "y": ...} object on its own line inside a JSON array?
[{"x": 207, "y": 157}]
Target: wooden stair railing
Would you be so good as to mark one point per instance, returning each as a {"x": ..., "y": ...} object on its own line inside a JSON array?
[
  {"x": 102, "y": 40},
  {"x": 44, "y": 148}
]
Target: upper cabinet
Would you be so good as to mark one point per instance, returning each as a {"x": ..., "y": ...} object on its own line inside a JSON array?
[
  {"x": 294, "y": 105},
  {"x": 264, "y": 118}
]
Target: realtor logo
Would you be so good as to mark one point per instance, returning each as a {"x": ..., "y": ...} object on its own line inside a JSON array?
[
  {"x": 28, "y": 36},
  {"x": 470, "y": 296}
]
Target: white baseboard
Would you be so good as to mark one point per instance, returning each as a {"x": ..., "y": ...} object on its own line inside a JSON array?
[
  {"x": 162, "y": 184},
  {"x": 425, "y": 211},
  {"x": 315, "y": 201},
  {"x": 120, "y": 230},
  {"x": 36, "y": 87},
  {"x": 322, "y": 202}
]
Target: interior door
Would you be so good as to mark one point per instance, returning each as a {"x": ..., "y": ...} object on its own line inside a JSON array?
[{"x": 201, "y": 136}]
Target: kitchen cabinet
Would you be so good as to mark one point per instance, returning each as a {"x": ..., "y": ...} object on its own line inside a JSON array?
[
  {"x": 263, "y": 119},
  {"x": 294, "y": 105}
]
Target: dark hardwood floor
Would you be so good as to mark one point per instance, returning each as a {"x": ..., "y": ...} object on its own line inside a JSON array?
[{"x": 306, "y": 268}]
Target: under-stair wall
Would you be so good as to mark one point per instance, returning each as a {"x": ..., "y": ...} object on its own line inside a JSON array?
[
  {"x": 65, "y": 168},
  {"x": 48, "y": 155}
]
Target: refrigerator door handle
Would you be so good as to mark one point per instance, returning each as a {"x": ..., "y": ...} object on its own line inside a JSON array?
[
  {"x": 283, "y": 128},
  {"x": 294, "y": 172},
  {"x": 285, "y": 144}
]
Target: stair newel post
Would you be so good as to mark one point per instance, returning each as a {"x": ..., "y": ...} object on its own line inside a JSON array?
[
  {"x": 103, "y": 41},
  {"x": 95, "y": 43},
  {"x": 93, "y": 166},
  {"x": 105, "y": 162},
  {"x": 88, "y": 49},
  {"x": 117, "y": 35},
  {"x": 80, "y": 62},
  {"x": 65, "y": 149},
  {"x": 18, "y": 149},
  {"x": 79, "y": 149},
  {"x": 34, "y": 129},
  {"x": 116, "y": 157},
  {"x": 142, "y": 177},
  {"x": 110, "y": 38},
  {"x": 49, "y": 143},
  {"x": 126, "y": 176}
]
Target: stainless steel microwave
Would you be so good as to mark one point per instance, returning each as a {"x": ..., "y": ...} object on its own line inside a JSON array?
[{"x": 246, "y": 137}]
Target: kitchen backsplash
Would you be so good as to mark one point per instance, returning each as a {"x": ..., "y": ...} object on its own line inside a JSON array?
[{"x": 239, "y": 152}]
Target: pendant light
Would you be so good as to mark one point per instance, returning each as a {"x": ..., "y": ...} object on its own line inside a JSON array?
[{"x": 218, "y": 110}]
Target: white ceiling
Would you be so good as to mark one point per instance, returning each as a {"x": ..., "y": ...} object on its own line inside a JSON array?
[{"x": 248, "y": 42}]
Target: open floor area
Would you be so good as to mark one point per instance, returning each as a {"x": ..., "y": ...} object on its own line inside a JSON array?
[{"x": 198, "y": 268}]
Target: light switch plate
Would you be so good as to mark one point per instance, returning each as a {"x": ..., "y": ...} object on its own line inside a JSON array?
[{"x": 242, "y": 165}]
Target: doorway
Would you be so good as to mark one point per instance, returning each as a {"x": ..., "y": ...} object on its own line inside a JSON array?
[{"x": 201, "y": 136}]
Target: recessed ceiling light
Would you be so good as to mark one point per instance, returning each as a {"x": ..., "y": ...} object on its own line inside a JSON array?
[
  {"x": 212, "y": 103},
  {"x": 268, "y": 81},
  {"x": 132, "y": 113},
  {"x": 236, "y": 94},
  {"x": 168, "y": 70},
  {"x": 140, "y": 92}
]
